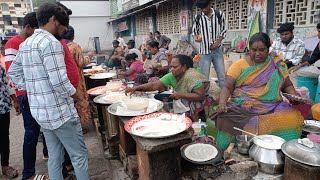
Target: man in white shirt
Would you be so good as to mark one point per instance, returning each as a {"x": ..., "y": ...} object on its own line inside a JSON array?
[
  {"x": 289, "y": 47},
  {"x": 122, "y": 44},
  {"x": 50, "y": 94},
  {"x": 132, "y": 49}
]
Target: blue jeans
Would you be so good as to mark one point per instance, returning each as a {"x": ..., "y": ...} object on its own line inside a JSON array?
[
  {"x": 70, "y": 137},
  {"x": 31, "y": 135},
  {"x": 216, "y": 57}
]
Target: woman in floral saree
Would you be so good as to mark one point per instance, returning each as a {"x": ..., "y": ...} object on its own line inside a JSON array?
[
  {"x": 76, "y": 51},
  {"x": 193, "y": 89},
  {"x": 256, "y": 105}
]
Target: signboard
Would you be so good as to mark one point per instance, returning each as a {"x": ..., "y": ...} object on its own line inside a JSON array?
[
  {"x": 123, "y": 26},
  {"x": 129, "y": 4}
]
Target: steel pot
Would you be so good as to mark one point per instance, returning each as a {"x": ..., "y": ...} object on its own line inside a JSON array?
[
  {"x": 302, "y": 161},
  {"x": 244, "y": 143},
  {"x": 266, "y": 151},
  {"x": 298, "y": 171}
]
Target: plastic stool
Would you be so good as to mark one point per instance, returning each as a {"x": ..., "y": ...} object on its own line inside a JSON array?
[{"x": 310, "y": 83}]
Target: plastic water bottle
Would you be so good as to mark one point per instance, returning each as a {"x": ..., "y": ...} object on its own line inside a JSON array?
[{"x": 202, "y": 131}]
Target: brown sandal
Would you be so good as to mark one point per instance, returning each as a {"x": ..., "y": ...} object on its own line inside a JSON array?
[
  {"x": 9, "y": 172},
  {"x": 70, "y": 177}
]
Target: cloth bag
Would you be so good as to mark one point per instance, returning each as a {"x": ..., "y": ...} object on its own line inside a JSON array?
[{"x": 179, "y": 107}]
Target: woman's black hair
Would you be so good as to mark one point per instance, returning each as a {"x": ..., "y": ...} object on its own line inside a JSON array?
[
  {"x": 131, "y": 42},
  {"x": 47, "y": 10},
  {"x": 184, "y": 60},
  {"x": 132, "y": 56},
  {"x": 115, "y": 42},
  {"x": 153, "y": 44},
  {"x": 263, "y": 37},
  {"x": 69, "y": 33},
  {"x": 31, "y": 19},
  {"x": 202, "y": 3},
  {"x": 318, "y": 26},
  {"x": 4, "y": 42}
]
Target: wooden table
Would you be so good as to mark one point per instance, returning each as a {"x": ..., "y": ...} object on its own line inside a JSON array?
[
  {"x": 157, "y": 159},
  {"x": 101, "y": 111},
  {"x": 110, "y": 126}
]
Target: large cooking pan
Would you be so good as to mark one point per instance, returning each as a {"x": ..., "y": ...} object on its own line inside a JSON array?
[
  {"x": 217, "y": 160},
  {"x": 310, "y": 127}
]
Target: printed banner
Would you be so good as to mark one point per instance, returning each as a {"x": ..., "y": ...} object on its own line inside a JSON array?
[
  {"x": 184, "y": 20},
  {"x": 261, "y": 7},
  {"x": 150, "y": 22}
]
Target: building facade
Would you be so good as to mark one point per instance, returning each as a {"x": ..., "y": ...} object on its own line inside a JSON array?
[
  {"x": 89, "y": 20},
  {"x": 168, "y": 17},
  {"x": 11, "y": 16}
]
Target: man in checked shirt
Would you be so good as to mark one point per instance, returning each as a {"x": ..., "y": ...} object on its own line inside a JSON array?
[
  {"x": 290, "y": 48},
  {"x": 50, "y": 94}
]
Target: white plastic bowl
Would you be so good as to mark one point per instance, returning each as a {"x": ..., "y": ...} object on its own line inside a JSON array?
[{"x": 136, "y": 104}]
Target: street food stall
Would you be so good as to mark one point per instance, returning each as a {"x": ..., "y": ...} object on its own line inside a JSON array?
[{"x": 154, "y": 143}]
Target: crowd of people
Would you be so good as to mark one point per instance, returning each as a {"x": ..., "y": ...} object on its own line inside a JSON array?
[
  {"x": 42, "y": 78},
  {"x": 50, "y": 91},
  {"x": 151, "y": 60}
]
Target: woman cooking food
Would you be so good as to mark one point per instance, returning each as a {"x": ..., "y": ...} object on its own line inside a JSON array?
[
  {"x": 191, "y": 87},
  {"x": 256, "y": 105},
  {"x": 136, "y": 66}
]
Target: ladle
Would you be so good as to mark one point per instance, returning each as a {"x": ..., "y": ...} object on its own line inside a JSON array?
[{"x": 248, "y": 133}]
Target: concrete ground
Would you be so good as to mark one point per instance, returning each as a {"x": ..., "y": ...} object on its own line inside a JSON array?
[{"x": 99, "y": 167}]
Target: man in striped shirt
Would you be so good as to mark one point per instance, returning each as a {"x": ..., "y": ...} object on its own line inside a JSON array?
[{"x": 209, "y": 29}]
